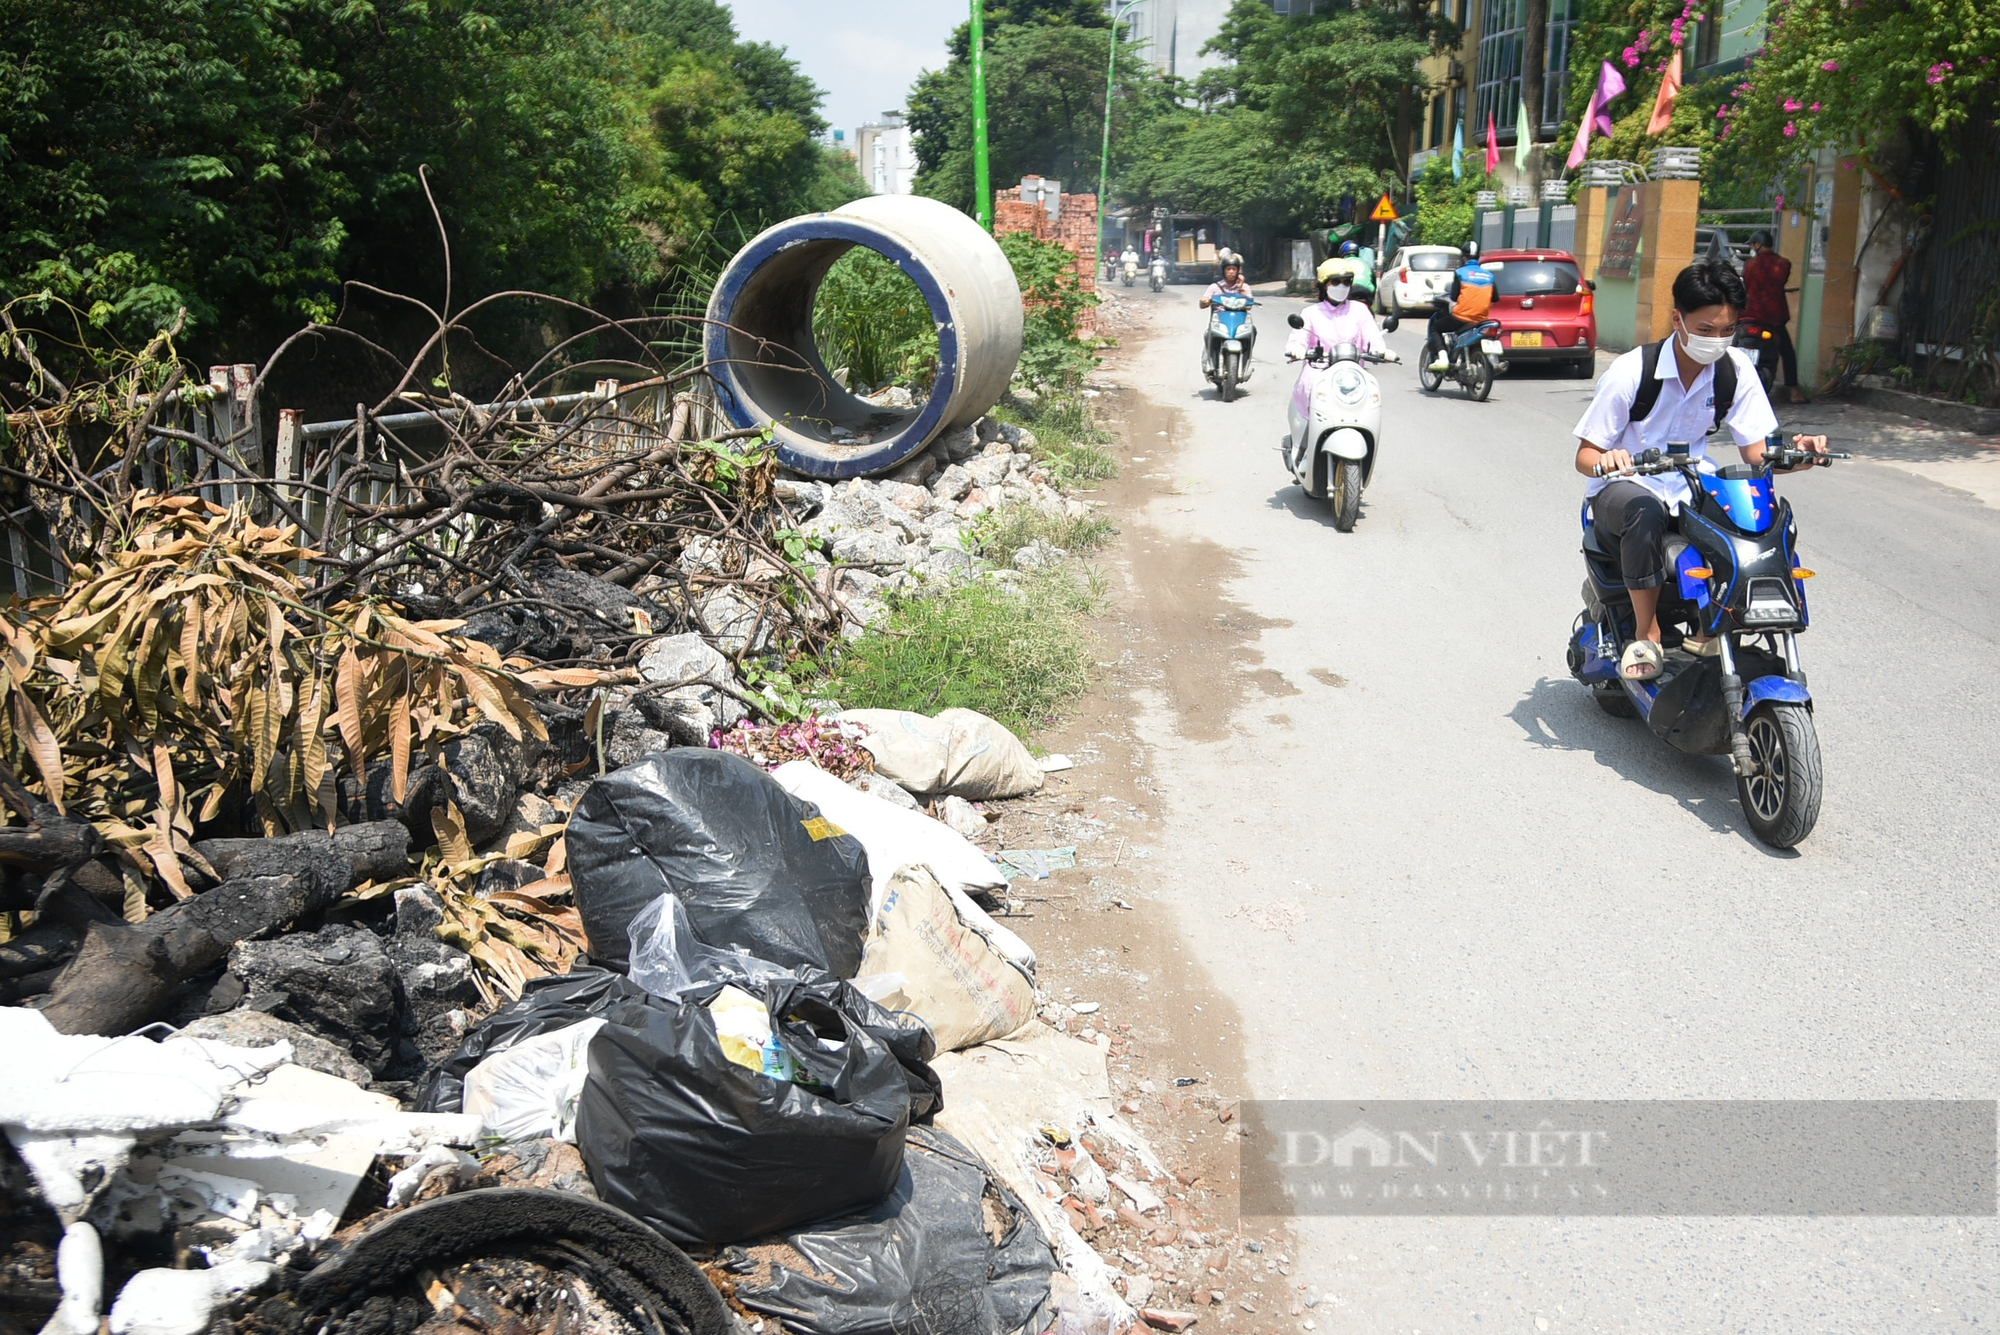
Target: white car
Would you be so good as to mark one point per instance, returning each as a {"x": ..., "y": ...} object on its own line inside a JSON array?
[{"x": 1420, "y": 273}]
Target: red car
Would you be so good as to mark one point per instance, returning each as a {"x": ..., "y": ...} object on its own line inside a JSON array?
[{"x": 1546, "y": 309}]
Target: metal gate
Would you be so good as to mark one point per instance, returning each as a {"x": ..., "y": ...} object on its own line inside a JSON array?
[{"x": 1950, "y": 311}]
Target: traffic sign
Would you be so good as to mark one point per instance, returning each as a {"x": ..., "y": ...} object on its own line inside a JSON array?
[{"x": 1384, "y": 210}]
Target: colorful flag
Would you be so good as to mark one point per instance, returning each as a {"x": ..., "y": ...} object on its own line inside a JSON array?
[
  {"x": 1663, "y": 105},
  {"x": 1609, "y": 85},
  {"x": 1524, "y": 138},
  {"x": 1492, "y": 146},
  {"x": 1458, "y": 152}
]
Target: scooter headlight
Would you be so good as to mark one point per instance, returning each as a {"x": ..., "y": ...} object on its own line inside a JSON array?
[{"x": 1348, "y": 385}]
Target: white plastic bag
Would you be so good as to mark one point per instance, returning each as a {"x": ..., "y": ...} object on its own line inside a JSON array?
[
  {"x": 666, "y": 958},
  {"x": 531, "y": 1089}
]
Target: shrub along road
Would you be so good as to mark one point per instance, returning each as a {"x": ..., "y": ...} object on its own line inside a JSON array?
[{"x": 1404, "y": 856}]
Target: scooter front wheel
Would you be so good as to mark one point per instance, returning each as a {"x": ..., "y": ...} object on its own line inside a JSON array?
[
  {"x": 1232, "y": 365},
  {"x": 1781, "y": 799},
  {"x": 1345, "y": 493}
]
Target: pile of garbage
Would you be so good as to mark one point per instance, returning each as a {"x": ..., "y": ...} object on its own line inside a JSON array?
[
  {"x": 418, "y": 911},
  {"x": 747, "y": 1059}
]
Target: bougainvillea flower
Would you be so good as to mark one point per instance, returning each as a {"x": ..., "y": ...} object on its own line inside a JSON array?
[
  {"x": 1813, "y": 107},
  {"x": 1793, "y": 104},
  {"x": 1829, "y": 65},
  {"x": 1790, "y": 129},
  {"x": 1938, "y": 72}
]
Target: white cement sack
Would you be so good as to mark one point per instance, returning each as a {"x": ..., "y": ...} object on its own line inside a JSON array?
[
  {"x": 952, "y": 977},
  {"x": 894, "y": 838},
  {"x": 961, "y": 752}
]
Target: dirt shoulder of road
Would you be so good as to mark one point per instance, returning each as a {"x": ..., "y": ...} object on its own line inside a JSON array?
[{"x": 1114, "y": 959}]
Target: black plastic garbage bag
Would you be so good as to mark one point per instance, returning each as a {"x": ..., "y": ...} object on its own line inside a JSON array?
[
  {"x": 949, "y": 1250},
  {"x": 758, "y": 869},
  {"x": 706, "y": 1150},
  {"x": 545, "y": 1005}
]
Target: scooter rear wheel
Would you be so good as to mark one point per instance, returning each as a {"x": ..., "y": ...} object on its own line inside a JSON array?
[
  {"x": 1479, "y": 376},
  {"x": 1613, "y": 701},
  {"x": 1782, "y": 799}
]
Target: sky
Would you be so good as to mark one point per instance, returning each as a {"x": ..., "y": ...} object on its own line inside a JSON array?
[{"x": 864, "y": 53}]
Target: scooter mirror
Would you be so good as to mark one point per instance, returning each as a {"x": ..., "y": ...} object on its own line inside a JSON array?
[
  {"x": 1295, "y": 320},
  {"x": 1391, "y": 324}
]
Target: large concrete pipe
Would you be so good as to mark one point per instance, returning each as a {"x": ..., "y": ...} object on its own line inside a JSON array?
[{"x": 767, "y": 369}]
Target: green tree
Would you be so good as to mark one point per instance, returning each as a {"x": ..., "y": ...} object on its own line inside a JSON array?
[
  {"x": 1045, "y": 103},
  {"x": 244, "y": 158},
  {"x": 1302, "y": 111}
]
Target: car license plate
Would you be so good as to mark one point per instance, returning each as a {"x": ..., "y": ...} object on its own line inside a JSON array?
[{"x": 1530, "y": 340}]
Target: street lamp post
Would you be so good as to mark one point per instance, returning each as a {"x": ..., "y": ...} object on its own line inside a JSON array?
[
  {"x": 1104, "y": 152},
  {"x": 982, "y": 172}
]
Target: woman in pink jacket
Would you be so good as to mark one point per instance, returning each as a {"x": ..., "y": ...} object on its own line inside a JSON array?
[{"x": 1331, "y": 321}]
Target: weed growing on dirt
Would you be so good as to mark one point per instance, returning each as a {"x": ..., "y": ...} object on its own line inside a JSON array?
[
  {"x": 1067, "y": 438},
  {"x": 998, "y": 534},
  {"x": 1015, "y": 654}
]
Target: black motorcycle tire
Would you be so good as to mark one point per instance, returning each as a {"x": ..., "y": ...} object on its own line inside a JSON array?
[
  {"x": 1343, "y": 493},
  {"x": 1782, "y": 800},
  {"x": 1429, "y": 379},
  {"x": 1232, "y": 364},
  {"x": 1480, "y": 371},
  {"x": 1613, "y": 701}
]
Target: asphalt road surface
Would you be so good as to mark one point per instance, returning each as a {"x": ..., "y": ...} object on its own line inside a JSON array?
[{"x": 1423, "y": 865}]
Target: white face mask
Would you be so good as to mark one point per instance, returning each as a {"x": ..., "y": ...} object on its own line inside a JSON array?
[
  {"x": 1337, "y": 292},
  {"x": 1707, "y": 351}
]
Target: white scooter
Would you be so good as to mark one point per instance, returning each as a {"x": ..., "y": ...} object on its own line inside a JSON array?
[
  {"x": 1156, "y": 274},
  {"x": 1331, "y": 449}
]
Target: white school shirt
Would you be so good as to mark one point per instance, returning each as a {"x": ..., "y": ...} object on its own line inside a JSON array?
[{"x": 1678, "y": 414}]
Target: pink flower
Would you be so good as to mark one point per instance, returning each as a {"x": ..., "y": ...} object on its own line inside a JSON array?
[
  {"x": 1780, "y": 203},
  {"x": 1790, "y": 129},
  {"x": 1813, "y": 107},
  {"x": 1793, "y": 104},
  {"x": 1829, "y": 65},
  {"x": 1631, "y": 57},
  {"x": 1938, "y": 72}
]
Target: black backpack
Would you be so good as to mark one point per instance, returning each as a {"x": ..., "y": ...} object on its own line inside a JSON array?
[{"x": 1649, "y": 383}]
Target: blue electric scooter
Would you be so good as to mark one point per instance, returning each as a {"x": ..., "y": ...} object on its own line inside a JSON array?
[
  {"x": 1231, "y": 338},
  {"x": 1733, "y": 576}
]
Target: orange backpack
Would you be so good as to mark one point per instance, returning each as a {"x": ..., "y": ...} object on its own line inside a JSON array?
[{"x": 1475, "y": 294}]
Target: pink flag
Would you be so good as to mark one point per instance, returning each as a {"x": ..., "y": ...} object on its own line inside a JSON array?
[
  {"x": 1492, "y": 146},
  {"x": 1609, "y": 85}
]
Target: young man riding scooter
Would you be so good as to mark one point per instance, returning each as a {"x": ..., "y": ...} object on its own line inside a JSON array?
[
  {"x": 1648, "y": 399},
  {"x": 1469, "y": 298}
]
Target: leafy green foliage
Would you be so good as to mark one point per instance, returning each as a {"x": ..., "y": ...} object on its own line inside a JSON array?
[
  {"x": 1835, "y": 73},
  {"x": 1302, "y": 112},
  {"x": 1444, "y": 206},
  {"x": 871, "y": 318},
  {"x": 1015, "y": 655},
  {"x": 1045, "y": 103},
  {"x": 1052, "y": 354},
  {"x": 243, "y": 158}
]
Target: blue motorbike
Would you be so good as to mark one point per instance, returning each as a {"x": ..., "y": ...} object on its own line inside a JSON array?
[
  {"x": 1225, "y": 352},
  {"x": 1733, "y": 576},
  {"x": 1475, "y": 356}
]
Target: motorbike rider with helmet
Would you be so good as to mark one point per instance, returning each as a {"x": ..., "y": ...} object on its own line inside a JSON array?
[
  {"x": 1336, "y": 318},
  {"x": 1469, "y": 297},
  {"x": 1693, "y": 392},
  {"x": 1230, "y": 284}
]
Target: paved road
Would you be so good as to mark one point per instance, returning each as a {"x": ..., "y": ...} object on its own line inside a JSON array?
[{"x": 1507, "y": 894}]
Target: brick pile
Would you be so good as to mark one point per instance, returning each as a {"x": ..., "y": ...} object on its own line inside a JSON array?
[{"x": 1075, "y": 231}]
